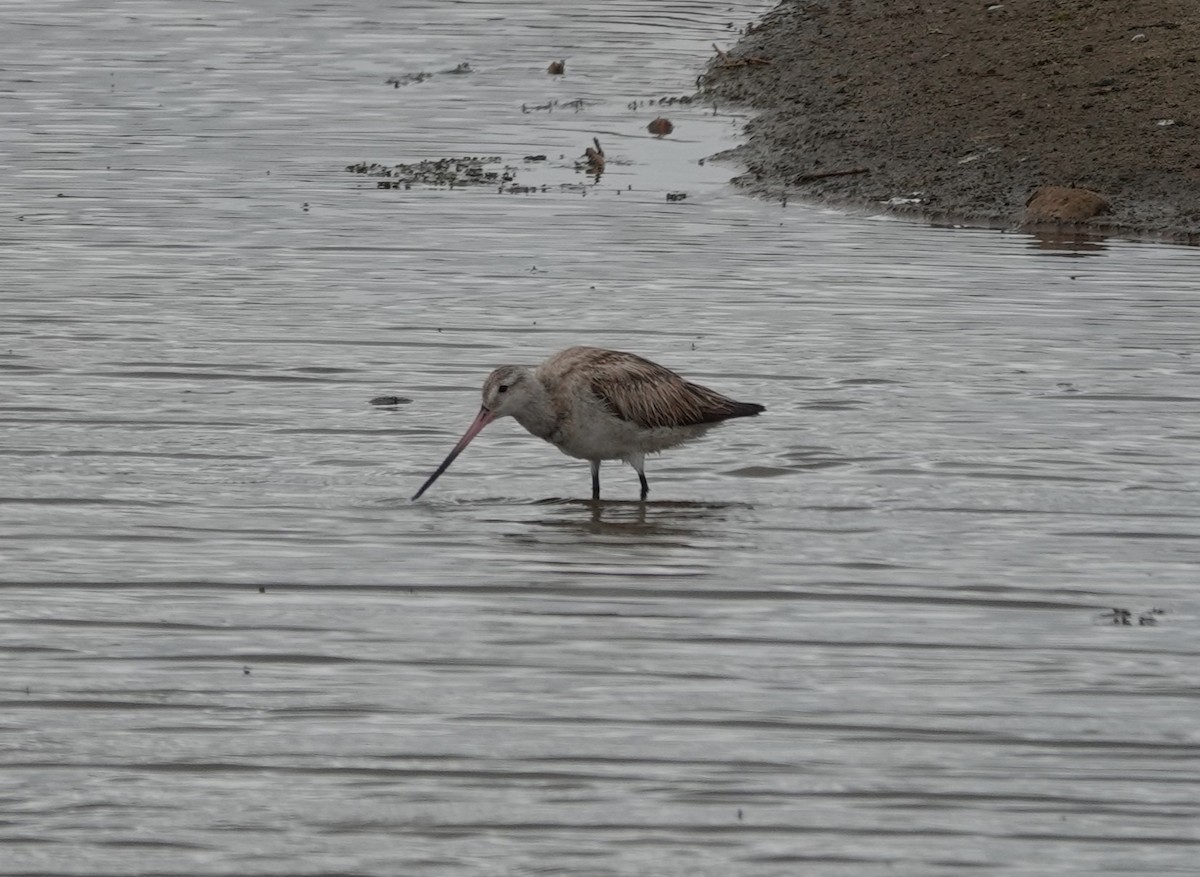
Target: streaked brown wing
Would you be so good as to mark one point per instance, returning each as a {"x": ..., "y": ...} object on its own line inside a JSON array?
[{"x": 645, "y": 393}]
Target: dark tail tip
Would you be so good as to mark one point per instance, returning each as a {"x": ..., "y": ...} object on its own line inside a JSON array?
[{"x": 747, "y": 409}]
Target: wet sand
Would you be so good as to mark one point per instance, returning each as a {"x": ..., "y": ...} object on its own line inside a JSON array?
[{"x": 959, "y": 112}]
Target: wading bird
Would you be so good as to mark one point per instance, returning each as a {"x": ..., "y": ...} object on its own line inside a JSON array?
[{"x": 596, "y": 405}]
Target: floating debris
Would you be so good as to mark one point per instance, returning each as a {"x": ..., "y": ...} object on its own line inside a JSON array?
[
  {"x": 578, "y": 104},
  {"x": 414, "y": 78},
  {"x": 550, "y": 106},
  {"x": 408, "y": 79},
  {"x": 682, "y": 100},
  {"x": 557, "y": 68},
  {"x": 660, "y": 127},
  {"x": 1125, "y": 617},
  {"x": 390, "y": 400},
  {"x": 467, "y": 172},
  {"x": 464, "y": 171},
  {"x": 676, "y": 196}
]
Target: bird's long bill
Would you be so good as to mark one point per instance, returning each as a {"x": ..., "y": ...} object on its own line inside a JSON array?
[{"x": 481, "y": 420}]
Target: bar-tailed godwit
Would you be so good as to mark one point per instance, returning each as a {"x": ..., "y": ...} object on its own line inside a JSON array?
[{"x": 596, "y": 405}]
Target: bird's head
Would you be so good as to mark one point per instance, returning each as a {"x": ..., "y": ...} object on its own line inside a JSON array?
[{"x": 507, "y": 390}]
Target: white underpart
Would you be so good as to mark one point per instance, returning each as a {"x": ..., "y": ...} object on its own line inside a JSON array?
[{"x": 592, "y": 432}]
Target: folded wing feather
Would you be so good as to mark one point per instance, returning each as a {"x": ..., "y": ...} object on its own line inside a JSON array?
[{"x": 643, "y": 392}]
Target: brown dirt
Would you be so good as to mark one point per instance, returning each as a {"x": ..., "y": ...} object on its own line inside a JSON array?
[{"x": 970, "y": 106}]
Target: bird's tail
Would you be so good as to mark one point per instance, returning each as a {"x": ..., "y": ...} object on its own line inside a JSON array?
[{"x": 745, "y": 409}]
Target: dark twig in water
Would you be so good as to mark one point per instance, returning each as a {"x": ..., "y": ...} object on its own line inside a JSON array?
[{"x": 595, "y": 157}]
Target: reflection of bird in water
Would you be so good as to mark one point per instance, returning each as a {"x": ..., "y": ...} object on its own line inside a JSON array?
[
  {"x": 596, "y": 405},
  {"x": 660, "y": 127},
  {"x": 594, "y": 158},
  {"x": 557, "y": 68}
]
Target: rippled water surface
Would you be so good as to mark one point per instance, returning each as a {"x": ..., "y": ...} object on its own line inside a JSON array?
[{"x": 867, "y": 633}]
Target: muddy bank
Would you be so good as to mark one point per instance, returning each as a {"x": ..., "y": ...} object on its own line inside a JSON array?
[{"x": 960, "y": 111}]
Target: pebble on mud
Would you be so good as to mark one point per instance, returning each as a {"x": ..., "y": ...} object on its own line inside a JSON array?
[
  {"x": 660, "y": 127},
  {"x": 1064, "y": 204}
]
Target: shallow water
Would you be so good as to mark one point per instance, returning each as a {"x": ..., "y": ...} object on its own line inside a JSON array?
[{"x": 863, "y": 634}]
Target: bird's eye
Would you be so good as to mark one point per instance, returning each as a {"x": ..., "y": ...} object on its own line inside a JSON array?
[{"x": 503, "y": 388}]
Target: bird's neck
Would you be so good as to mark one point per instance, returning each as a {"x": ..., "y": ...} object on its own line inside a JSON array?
[{"x": 537, "y": 415}]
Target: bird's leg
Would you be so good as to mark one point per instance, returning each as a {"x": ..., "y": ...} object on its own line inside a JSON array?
[
  {"x": 595, "y": 480},
  {"x": 638, "y": 462}
]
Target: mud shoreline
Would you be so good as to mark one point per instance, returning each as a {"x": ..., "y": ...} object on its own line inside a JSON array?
[{"x": 959, "y": 112}]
